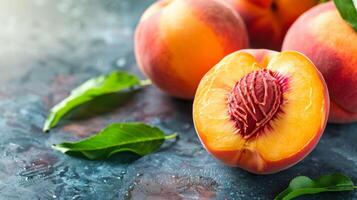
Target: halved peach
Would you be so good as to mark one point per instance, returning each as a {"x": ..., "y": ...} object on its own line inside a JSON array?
[{"x": 261, "y": 110}]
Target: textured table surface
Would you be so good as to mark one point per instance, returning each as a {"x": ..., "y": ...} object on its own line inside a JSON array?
[{"x": 49, "y": 47}]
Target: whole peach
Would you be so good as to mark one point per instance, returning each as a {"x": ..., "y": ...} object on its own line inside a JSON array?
[
  {"x": 268, "y": 20},
  {"x": 178, "y": 41},
  {"x": 331, "y": 43}
]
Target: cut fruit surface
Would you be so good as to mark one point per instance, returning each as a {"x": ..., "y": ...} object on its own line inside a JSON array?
[{"x": 278, "y": 113}]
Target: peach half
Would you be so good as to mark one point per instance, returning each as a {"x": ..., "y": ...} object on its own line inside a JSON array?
[
  {"x": 178, "y": 41},
  {"x": 261, "y": 110}
]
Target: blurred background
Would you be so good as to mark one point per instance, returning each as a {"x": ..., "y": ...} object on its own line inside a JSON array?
[{"x": 36, "y": 32}]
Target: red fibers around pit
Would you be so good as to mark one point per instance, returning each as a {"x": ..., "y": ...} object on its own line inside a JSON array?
[{"x": 254, "y": 101}]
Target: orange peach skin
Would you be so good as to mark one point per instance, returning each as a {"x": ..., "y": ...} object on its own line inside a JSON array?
[
  {"x": 323, "y": 36},
  {"x": 268, "y": 20},
  {"x": 178, "y": 41},
  {"x": 252, "y": 160}
]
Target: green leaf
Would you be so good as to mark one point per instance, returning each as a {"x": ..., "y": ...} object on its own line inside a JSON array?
[
  {"x": 303, "y": 185},
  {"x": 137, "y": 138},
  {"x": 90, "y": 90},
  {"x": 348, "y": 11}
]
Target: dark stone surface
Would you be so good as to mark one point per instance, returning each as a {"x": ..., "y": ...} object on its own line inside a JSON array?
[{"x": 49, "y": 47}]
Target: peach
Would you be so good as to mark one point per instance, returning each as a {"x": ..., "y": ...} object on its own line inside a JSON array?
[
  {"x": 323, "y": 36},
  {"x": 268, "y": 20},
  {"x": 261, "y": 110},
  {"x": 178, "y": 41}
]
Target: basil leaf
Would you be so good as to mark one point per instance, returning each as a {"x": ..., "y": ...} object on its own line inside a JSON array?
[
  {"x": 137, "y": 138},
  {"x": 348, "y": 11},
  {"x": 303, "y": 185},
  {"x": 88, "y": 91}
]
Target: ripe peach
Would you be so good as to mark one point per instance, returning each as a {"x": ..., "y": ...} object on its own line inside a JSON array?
[
  {"x": 323, "y": 36},
  {"x": 261, "y": 110},
  {"x": 268, "y": 20},
  {"x": 178, "y": 41}
]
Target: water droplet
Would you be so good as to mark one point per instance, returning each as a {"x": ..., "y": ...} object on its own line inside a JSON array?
[
  {"x": 54, "y": 196},
  {"x": 121, "y": 62},
  {"x": 186, "y": 126}
]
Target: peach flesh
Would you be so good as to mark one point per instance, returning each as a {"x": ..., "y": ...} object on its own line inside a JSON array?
[
  {"x": 288, "y": 137},
  {"x": 254, "y": 101}
]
